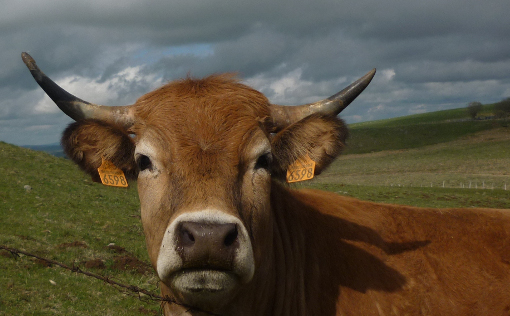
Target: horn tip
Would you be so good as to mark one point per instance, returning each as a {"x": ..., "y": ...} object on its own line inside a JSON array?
[
  {"x": 371, "y": 73},
  {"x": 29, "y": 61}
]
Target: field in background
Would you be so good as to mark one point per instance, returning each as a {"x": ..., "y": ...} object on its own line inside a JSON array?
[
  {"x": 66, "y": 217},
  {"x": 479, "y": 160},
  {"x": 415, "y": 131},
  {"x": 438, "y": 159}
]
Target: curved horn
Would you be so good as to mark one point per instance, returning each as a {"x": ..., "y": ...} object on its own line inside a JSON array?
[
  {"x": 74, "y": 107},
  {"x": 283, "y": 116}
]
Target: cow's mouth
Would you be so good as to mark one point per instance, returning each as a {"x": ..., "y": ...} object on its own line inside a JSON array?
[
  {"x": 205, "y": 289},
  {"x": 204, "y": 281}
]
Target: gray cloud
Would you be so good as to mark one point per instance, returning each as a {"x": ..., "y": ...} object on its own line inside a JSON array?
[{"x": 430, "y": 55}]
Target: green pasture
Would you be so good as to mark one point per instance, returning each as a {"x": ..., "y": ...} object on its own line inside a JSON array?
[
  {"x": 415, "y": 131},
  {"x": 68, "y": 218}
]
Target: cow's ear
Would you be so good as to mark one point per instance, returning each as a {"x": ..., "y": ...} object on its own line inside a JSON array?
[
  {"x": 321, "y": 137},
  {"x": 86, "y": 142}
]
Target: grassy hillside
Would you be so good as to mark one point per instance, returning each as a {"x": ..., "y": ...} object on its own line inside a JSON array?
[
  {"x": 53, "y": 149},
  {"x": 440, "y": 175},
  {"x": 416, "y": 131},
  {"x": 67, "y": 218}
]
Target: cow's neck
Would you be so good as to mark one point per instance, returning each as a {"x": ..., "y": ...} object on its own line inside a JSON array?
[
  {"x": 278, "y": 287},
  {"x": 291, "y": 279},
  {"x": 289, "y": 244},
  {"x": 311, "y": 255}
]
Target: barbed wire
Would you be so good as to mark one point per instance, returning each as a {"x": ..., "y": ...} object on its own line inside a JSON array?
[{"x": 106, "y": 279}]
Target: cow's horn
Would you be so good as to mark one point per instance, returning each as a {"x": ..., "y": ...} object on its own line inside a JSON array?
[
  {"x": 74, "y": 107},
  {"x": 283, "y": 116}
]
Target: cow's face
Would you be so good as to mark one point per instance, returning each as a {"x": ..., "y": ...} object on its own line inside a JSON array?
[
  {"x": 204, "y": 176},
  {"x": 205, "y": 153}
]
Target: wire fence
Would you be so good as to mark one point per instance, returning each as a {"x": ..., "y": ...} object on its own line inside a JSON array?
[{"x": 485, "y": 185}]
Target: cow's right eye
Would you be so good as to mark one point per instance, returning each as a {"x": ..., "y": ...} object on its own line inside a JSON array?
[{"x": 144, "y": 162}]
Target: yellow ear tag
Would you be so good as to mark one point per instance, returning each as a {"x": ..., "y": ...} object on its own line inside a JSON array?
[
  {"x": 111, "y": 175},
  {"x": 301, "y": 170}
]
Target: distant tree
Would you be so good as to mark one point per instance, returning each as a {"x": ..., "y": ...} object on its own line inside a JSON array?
[
  {"x": 502, "y": 108},
  {"x": 473, "y": 109}
]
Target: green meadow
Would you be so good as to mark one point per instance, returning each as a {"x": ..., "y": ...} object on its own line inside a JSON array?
[{"x": 428, "y": 160}]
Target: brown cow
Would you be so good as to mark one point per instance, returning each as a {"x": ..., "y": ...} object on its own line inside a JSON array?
[{"x": 227, "y": 237}]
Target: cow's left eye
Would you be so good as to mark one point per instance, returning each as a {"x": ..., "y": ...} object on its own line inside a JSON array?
[{"x": 263, "y": 162}]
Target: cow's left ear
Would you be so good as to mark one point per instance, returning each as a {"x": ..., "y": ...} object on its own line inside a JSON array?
[{"x": 321, "y": 137}]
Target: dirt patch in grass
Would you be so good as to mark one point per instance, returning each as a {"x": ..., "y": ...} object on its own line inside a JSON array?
[
  {"x": 95, "y": 264},
  {"x": 130, "y": 263},
  {"x": 43, "y": 263},
  {"x": 5, "y": 254},
  {"x": 116, "y": 249}
]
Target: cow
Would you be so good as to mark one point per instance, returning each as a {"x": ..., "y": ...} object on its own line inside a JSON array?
[{"x": 227, "y": 236}]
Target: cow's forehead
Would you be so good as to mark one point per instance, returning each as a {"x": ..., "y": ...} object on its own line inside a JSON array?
[
  {"x": 213, "y": 99},
  {"x": 215, "y": 115}
]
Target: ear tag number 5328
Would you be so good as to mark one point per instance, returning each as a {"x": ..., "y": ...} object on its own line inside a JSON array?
[
  {"x": 111, "y": 175},
  {"x": 301, "y": 170}
]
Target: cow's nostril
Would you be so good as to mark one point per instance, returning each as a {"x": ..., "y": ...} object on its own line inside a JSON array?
[
  {"x": 231, "y": 237},
  {"x": 187, "y": 237}
]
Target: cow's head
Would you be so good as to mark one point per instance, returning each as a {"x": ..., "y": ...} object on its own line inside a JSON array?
[{"x": 204, "y": 153}]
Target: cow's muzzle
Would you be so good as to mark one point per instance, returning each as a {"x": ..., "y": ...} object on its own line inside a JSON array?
[{"x": 205, "y": 256}]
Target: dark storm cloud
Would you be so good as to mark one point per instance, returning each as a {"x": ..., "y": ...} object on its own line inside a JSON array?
[{"x": 430, "y": 55}]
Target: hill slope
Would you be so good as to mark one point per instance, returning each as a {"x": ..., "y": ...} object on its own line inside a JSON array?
[
  {"x": 416, "y": 131},
  {"x": 66, "y": 217}
]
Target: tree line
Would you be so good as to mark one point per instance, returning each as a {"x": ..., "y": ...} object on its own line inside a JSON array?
[{"x": 501, "y": 109}]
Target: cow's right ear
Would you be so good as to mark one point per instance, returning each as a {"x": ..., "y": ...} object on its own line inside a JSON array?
[{"x": 86, "y": 142}]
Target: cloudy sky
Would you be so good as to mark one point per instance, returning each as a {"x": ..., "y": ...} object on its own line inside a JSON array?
[{"x": 430, "y": 55}]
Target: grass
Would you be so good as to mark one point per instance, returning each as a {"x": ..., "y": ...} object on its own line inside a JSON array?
[
  {"x": 417, "y": 175},
  {"x": 416, "y": 119},
  {"x": 484, "y": 156},
  {"x": 444, "y": 116},
  {"x": 375, "y": 139},
  {"x": 64, "y": 207},
  {"x": 422, "y": 197},
  {"x": 415, "y": 131},
  {"x": 68, "y": 218}
]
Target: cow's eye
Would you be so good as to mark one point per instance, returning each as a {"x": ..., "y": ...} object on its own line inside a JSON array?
[
  {"x": 263, "y": 162},
  {"x": 144, "y": 162}
]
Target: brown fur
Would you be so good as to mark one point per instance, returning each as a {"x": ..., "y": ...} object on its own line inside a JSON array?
[
  {"x": 334, "y": 255},
  {"x": 360, "y": 258},
  {"x": 320, "y": 137},
  {"x": 315, "y": 253},
  {"x": 86, "y": 142}
]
